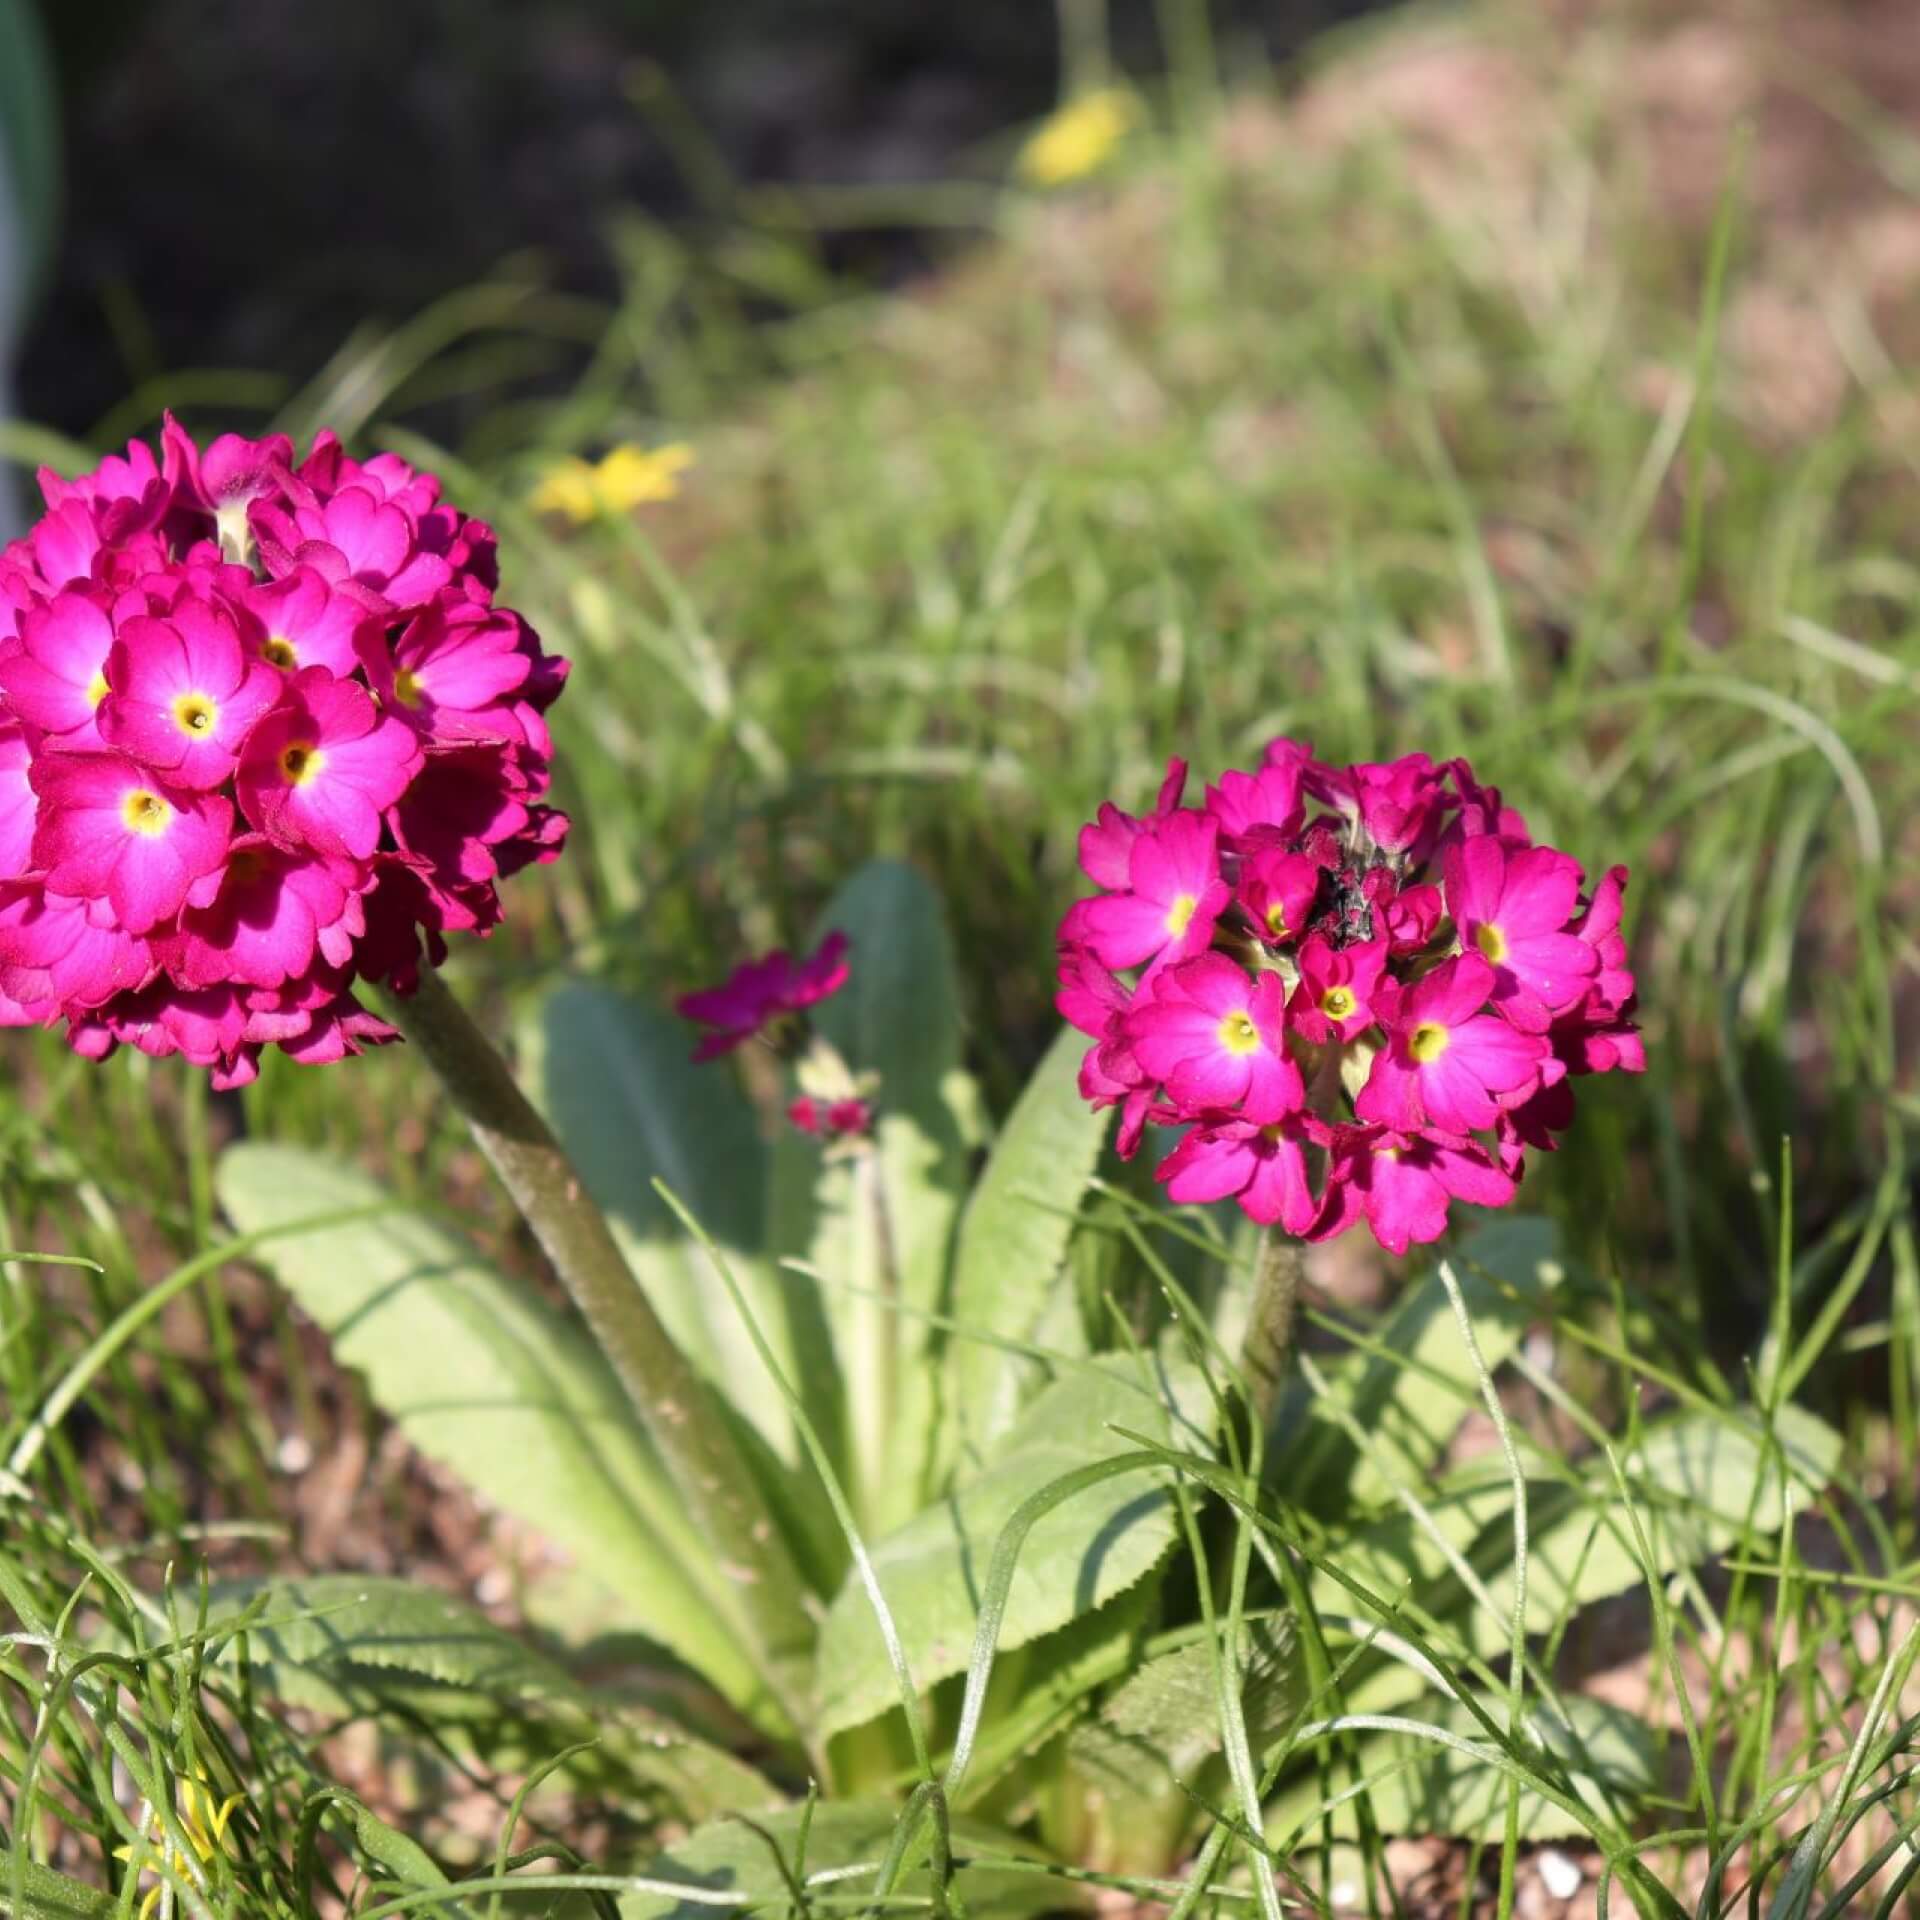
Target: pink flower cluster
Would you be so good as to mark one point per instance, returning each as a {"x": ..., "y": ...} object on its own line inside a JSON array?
[
  {"x": 1363, "y": 991},
  {"x": 761, "y": 996},
  {"x": 264, "y": 728}
]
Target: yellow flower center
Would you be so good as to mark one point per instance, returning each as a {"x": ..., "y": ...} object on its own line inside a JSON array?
[
  {"x": 1180, "y": 914},
  {"x": 97, "y": 688},
  {"x": 406, "y": 687},
  {"x": 1238, "y": 1034},
  {"x": 1338, "y": 1003},
  {"x": 278, "y": 651},
  {"x": 146, "y": 813},
  {"x": 195, "y": 714},
  {"x": 300, "y": 761},
  {"x": 1277, "y": 917},
  {"x": 1491, "y": 941},
  {"x": 1429, "y": 1041}
]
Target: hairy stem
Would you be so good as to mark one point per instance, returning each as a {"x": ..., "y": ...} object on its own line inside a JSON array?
[
  {"x": 680, "y": 1414},
  {"x": 1267, "y": 1350}
]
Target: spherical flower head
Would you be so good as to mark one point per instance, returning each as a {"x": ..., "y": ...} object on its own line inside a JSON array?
[
  {"x": 1214, "y": 1037},
  {"x": 184, "y": 693},
  {"x": 320, "y": 769},
  {"x": 758, "y": 992},
  {"x": 111, "y": 829},
  {"x": 218, "y": 806},
  {"x": 1342, "y": 1040}
]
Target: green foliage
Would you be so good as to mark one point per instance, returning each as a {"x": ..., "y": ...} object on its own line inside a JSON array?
[{"x": 485, "y": 1376}]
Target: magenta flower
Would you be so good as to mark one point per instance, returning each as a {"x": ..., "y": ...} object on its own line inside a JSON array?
[
  {"x": 1513, "y": 909},
  {"x": 1292, "y": 988},
  {"x": 1263, "y": 806},
  {"x": 322, "y": 768},
  {"x": 829, "y": 1119},
  {"x": 1337, "y": 990},
  {"x": 18, "y": 801},
  {"x": 1445, "y": 1059},
  {"x": 1401, "y": 1184},
  {"x": 57, "y": 680},
  {"x": 302, "y": 622},
  {"x": 210, "y": 826},
  {"x": 184, "y": 693},
  {"x": 1214, "y": 1038},
  {"x": 1106, "y": 845},
  {"x": 758, "y": 992},
  {"x": 1263, "y": 1167},
  {"x": 1277, "y": 890},
  {"x": 448, "y": 673},
  {"x": 1173, "y": 897},
  {"x": 109, "y": 828},
  {"x": 263, "y": 918}
]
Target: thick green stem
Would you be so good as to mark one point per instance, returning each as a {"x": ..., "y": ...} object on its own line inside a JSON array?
[
  {"x": 1267, "y": 1350},
  {"x": 676, "y": 1407}
]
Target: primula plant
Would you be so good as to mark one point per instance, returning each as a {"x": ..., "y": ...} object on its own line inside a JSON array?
[{"x": 887, "y": 1449}]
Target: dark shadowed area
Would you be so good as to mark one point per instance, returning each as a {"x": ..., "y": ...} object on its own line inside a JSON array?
[{"x": 249, "y": 179}]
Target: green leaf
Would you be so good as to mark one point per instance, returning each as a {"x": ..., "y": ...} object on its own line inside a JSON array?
[
  {"x": 1150, "y": 1759},
  {"x": 46, "y": 1895},
  {"x": 732, "y": 1855},
  {"x": 353, "y": 1643},
  {"x": 486, "y": 1378},
  {"x": 1089, "y": 1548},
  {"x": 1410, "y": 1398},
  {"x": 618, "y": 1083},
  {"x": 1013, "y": 1238},
  {"x": 897, "y": 1018},
  {"x": 1437, "y": 1789}
]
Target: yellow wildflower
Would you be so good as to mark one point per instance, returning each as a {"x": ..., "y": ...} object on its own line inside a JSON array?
[
  {"x": 1079, "y": 137},
  {"x": 204, "y": 1825},
  {"x": 626, "y": 478}
]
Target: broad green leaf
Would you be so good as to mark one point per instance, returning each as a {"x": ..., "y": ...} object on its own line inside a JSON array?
[
  {"x": 1151, "y": 1759},
  {"x": 1044, "y": 1685},
  {"x": 46, "y": 1895},
  {"x": 882, "y": 1233},
  {"x": 1420, "y": 1786},
  {"x": 1410, "y": 1397},
  {"x": 1095, "y": 1544},
  {"x": 734, "y": 1856},
  {"x": 899, "y": 1017},
  {"x": 352, "y": 1643},
  {"x": 1013, "y": 1238},
  {"x": 484, "y": 1377},
  {"x": 1695, "y": 1479},
  {"x": 617, "y": 1081}
]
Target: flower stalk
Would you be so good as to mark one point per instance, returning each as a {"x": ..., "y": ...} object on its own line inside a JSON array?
[
  {"x": 676, "y": 1408},
  {"x": 1267, "y": 1349}
]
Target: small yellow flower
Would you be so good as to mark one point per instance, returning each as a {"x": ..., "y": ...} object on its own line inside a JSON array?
[
  {"x": 1079, "y": 137},
  {"x": 628, "y": 477},
  {"x": 205, "y": 1826}
]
